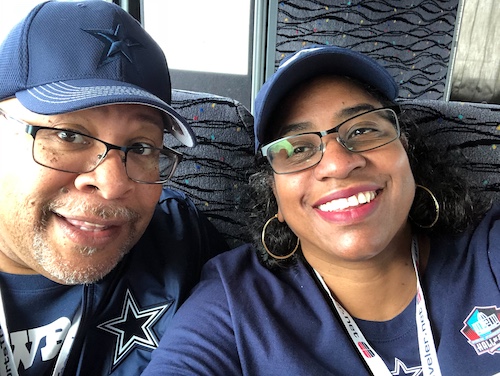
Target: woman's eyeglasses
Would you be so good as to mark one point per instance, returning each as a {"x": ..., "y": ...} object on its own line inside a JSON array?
[{"x": 363, "y": 132}]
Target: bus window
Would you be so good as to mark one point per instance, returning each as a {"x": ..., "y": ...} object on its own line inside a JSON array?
[
  {"x": 11, "y": 12},
  {"x": 208, "y": 44},
  {"x": 229, "y": 47}
]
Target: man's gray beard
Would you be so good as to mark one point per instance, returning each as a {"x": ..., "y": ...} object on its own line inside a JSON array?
[{"x": 59, "y": 268}]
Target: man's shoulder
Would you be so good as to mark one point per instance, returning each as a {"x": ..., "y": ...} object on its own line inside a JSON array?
[
  {"x": 179, "y": 237},
  {"x": 173, "y": 203}
]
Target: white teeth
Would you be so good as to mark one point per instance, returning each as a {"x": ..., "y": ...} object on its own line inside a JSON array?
[
  {"x": 344, "y": 203},
  {"x": 340, "y": 204},
  {"x": 91, "y": 227},
  {"x": 353, "y": 201},
  {"x": 86, "y": 226},
  {"x": 362, "y": 198}
]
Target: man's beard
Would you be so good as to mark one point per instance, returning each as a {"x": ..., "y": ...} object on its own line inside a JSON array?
[{"x": 59, "y": 268}]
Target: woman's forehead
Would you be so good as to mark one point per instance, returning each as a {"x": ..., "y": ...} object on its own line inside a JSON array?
[{"x": 338, "y": 97}]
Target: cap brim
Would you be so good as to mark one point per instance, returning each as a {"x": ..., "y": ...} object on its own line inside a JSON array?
[
  {"x": 313, "y": 62},
  {"x": 67, "y": 96}
]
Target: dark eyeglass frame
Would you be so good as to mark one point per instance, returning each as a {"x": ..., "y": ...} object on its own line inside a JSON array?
[
  {"x": 396, "y": 110},
  {"x": 32, "y": 130}
]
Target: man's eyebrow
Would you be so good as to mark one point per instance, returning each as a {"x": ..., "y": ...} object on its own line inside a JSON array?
[{"x": 149, "y": 118}]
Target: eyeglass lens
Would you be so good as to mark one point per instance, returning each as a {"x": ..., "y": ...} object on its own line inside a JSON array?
[
  {"x": 74, "y": 152},
  {"x": 363, "y": 132}
]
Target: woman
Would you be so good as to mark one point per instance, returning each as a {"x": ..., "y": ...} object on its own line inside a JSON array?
[{"x": 367, "y": 262}]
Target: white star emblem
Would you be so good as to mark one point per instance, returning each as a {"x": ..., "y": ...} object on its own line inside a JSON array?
[
  {"x": 412, "y": 371},
  {"x": 134, "y": 327}
]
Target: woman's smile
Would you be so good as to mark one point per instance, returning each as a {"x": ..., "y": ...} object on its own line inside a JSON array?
[{"x": 349, "y": 202}]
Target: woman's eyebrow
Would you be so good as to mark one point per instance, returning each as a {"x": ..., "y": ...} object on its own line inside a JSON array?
[
  {"x": 349, "y": 112},
  {"x": 294, "y": 128},
  {"x": 343, "y": 114}
]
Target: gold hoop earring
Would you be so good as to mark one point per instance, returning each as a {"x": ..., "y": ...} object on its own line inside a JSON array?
[
  {"x": 265, "y": 245},
  {"x": 436, "y": 207}
]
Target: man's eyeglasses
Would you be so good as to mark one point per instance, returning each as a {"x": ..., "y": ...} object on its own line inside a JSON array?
[
  {"x": 64, "y": 149},
  {"x": 363, "y": 132}
]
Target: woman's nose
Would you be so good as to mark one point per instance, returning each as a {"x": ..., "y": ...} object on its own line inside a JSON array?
[{"x": 337, "y": 161}]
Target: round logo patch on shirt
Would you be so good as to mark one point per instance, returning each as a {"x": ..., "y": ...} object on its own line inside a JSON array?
[{"x": 482, "y": 330}]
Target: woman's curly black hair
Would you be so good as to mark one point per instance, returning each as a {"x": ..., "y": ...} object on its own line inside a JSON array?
[{"x": 437, "y": 169}]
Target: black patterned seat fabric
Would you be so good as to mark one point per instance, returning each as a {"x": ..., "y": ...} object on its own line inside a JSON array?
[
  {"x": 472, "y": 128},
  {"x": 411, "y": 38},
  {"x": 215, "y": 172}
]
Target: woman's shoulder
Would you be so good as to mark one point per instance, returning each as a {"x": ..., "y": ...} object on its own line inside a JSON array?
[
  {"x": 240, "y": 263},
  {"x": 241, "y": 269},
  {"x": 487, "y": 232},
  {"x": 485, "y": 228},
  {"x": 476, "y": 250},
  {"x": 241, "y": 257}
]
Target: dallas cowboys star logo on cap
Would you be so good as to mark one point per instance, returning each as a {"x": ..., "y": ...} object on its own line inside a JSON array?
[
  {"x": 114, "y": 44},
  {"x": 134, "y": 327}
]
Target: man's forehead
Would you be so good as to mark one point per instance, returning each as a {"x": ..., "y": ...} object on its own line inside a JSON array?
[
  {"x": 138, "y": 112},
  {"x": 12, "y": 104}
]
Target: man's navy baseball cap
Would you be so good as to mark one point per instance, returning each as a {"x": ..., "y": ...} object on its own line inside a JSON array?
[
  {"x": 312, "y": 62},
  {"x": 67, "y": 56}
]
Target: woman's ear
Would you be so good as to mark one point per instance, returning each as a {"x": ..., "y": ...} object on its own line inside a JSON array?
[
  {"x": 404, "y": 141},
  {"x": 280, "y": 215}
]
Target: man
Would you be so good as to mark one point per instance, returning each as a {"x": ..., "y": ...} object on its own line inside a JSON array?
[{"x": 92, "y": 268}]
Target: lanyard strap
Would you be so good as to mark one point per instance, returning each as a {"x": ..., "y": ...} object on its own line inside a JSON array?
[
  {"x": 427, "y": 348},
  {"x": 8, "y": 365}
]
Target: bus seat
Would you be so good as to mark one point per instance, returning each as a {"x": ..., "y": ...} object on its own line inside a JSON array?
[
  {"x": 413, "y": 39},
  {"x": 215, "y": 172},
  {"x": 472, "y": 128}
]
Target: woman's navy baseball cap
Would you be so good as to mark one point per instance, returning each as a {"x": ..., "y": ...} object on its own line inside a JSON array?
[
  {"x": 67, "y": 56},
  {"x": 312, "y": 62}
]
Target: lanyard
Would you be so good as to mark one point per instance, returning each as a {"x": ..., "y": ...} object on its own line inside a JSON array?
[
  {"x": 427, "y": 348},
  {"x": 8, "y": 365}
]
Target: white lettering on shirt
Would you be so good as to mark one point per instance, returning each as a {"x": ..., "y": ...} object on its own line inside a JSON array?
[{"x": 25, "y": 343}]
